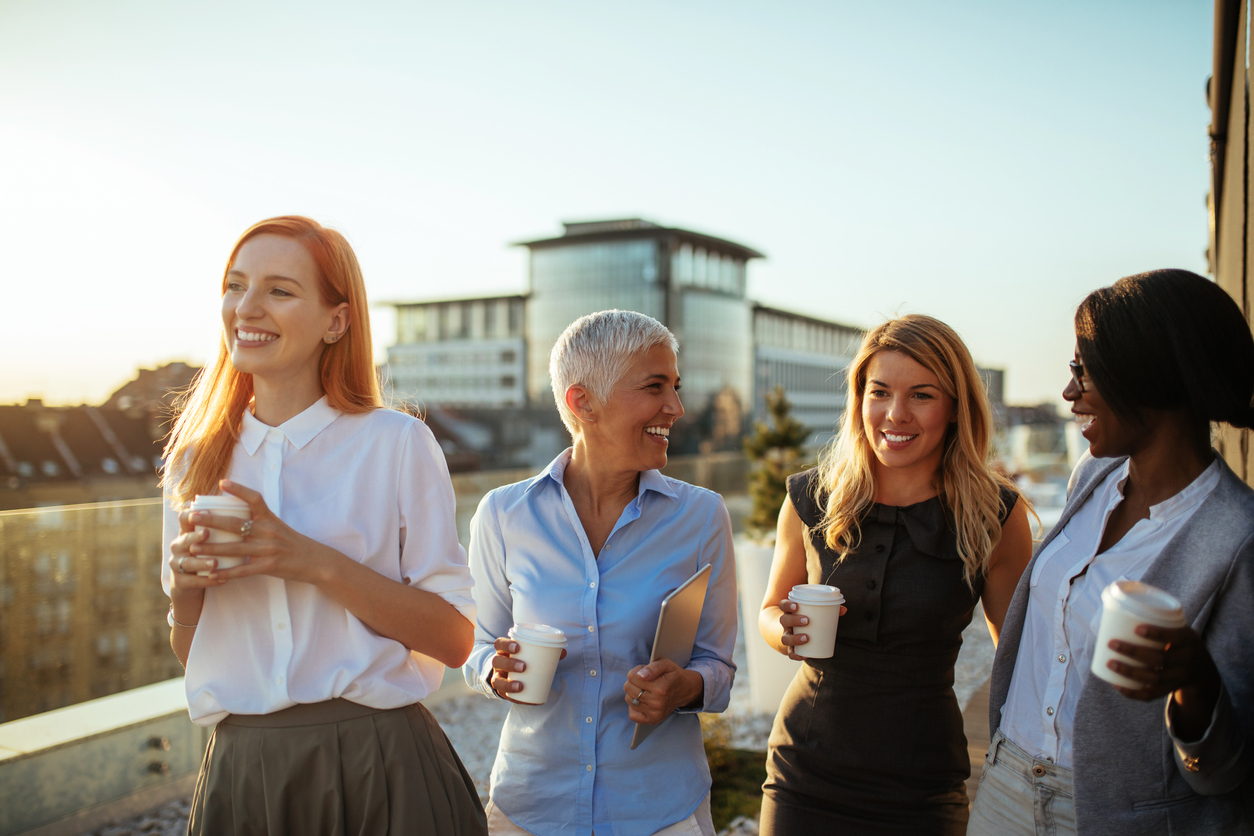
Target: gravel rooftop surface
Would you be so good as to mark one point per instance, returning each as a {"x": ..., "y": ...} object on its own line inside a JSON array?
[{"x": 474, "y": 723}]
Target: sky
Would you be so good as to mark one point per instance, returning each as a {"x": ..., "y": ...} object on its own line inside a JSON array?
[{"x": 988, "y": 163}]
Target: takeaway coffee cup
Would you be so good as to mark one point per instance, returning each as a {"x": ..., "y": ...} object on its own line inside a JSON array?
[
  {"x": 539, "y": 647},
  {"x": 224, "y": 506},
  {"x": 821, "y": 604},
  {"x": 1126, "y": 604}
]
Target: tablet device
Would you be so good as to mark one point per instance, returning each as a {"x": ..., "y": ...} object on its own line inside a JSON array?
[{"x": 677, "y": 631}]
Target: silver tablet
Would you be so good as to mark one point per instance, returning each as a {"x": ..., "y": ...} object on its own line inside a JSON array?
[{"x": 677, "y": 631}]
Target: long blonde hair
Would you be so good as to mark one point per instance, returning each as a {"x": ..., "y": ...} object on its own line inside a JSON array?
[
  {"x": 968, "y": 486},
  {"x": 199, "y": 451}
]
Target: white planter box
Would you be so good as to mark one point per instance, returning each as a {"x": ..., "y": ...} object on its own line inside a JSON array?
[{"x": 770, "y": 672}]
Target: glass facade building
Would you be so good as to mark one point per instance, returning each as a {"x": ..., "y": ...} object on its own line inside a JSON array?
[
  {"x": 495, "y": 352},
  {"x": 692, "y": 283}
]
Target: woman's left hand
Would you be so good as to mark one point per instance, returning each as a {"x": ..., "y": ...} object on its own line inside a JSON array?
[
  {"x": 654, "y": 690},
  {"x": 273, "y": 547},
  {"x": 1183, "y": 667}
]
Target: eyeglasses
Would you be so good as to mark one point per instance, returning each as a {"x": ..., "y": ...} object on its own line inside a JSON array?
[{"x": 1077, "y": 374}]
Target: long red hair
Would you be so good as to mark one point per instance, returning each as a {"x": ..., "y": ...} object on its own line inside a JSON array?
[{"x": 198, "y": 453}]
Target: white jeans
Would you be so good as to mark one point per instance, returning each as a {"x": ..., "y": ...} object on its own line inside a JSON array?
[
  {"x": 699, "y": 823},
  {"x": 1021, "y": 796}
]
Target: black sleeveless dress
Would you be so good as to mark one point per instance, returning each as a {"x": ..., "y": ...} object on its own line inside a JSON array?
[{"x": 871, "y": 741}]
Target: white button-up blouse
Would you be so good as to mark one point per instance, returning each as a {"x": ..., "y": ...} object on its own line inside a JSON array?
[
  {"x": 1065, "y": 609},
  {"x": 373, "y": 486}
]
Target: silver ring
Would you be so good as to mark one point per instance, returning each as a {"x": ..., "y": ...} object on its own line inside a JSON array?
[
  {"x": 246, "y": 528},
  {"x": 182, "y": 571},
  {"x": 636, "y": 701}
]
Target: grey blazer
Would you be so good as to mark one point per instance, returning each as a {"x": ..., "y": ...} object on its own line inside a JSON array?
[{"x": 1127, "y": 773}]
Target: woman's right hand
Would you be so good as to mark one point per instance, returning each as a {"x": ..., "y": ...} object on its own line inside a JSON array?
[
  {"x": 503, "y": 665},
  {"x": 184, "y": 566},
  {"x": 790, "y": 621}
]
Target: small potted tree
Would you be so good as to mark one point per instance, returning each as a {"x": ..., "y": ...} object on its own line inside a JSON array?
[{"x": 775, "y": 451}]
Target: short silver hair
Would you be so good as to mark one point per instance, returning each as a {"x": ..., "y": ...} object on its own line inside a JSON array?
[{"x": 596, "y": 351}]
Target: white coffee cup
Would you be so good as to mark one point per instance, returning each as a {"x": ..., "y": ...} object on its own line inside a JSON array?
[
  {"x": 539, "y": 648},
  {"x": 821, "y": 604},
  {"x": 224, "y": 506},
  {"x": 1126, "y": 604}
]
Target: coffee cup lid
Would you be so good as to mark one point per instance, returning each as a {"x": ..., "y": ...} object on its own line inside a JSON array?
[
  {"x": 1141, "y": 600},
  {"x": 541, "y": 634},
  {"x": 816, "y": 593},
  {"x": 217, "y": 502}
]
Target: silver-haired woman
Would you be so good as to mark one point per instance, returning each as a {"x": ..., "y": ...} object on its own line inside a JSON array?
[{"x": 591, "y": 546}]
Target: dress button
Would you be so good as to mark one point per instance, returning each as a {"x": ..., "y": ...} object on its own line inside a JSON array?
[
  {"x": 1050, "y": 711},
  {"x": 869, "y": 616},
  {"x": 870, "y": 584},
  {"x": 1038, "y": 771}
]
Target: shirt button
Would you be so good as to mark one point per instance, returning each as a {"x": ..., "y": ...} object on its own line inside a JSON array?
[
  {"x": 278, "y": 680},
  {"x": 281, "y": 625},
  {"x": 590, "y": 630},
  {"x": 587, "y": 719},
  {"x": 592, "y": 673},
  {"x": 870, "y": 584},
  {"x": 589, "y": 767},
  {"x": 1050, "y": 711},
  {"x": 1062, "y": 657},
  {"x": 880, "y": 547},
  {"x": 869, "y": 616},
  {"x": 273, "y": 466},
  {"x": 592, "y": 585}
]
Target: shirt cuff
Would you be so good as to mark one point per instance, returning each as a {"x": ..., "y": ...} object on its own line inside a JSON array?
[
  {"x": 707, "y": 688},
  {"x": 1190, "y": 752}
]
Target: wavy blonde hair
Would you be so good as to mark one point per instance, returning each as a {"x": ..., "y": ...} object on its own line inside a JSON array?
[
  {"x": 201, "y": 444},
  {"x": 967, "y": 484}
]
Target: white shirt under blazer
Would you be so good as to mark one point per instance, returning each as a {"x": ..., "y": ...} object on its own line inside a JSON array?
[
  {"x": 1064, "y": 608},
  {"x": 373, "y": 486},
  {"x": 1131, "y": 776}
]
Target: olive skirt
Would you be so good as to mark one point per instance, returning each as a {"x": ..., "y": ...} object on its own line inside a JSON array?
[{"x": 334, "y": 768}]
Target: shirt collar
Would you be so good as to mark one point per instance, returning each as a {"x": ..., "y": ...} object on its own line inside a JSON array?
[
  {"x": 1173, "y": 506},
  {"x": 299, "y": 429},
  {"x": 650, "y": 480}
]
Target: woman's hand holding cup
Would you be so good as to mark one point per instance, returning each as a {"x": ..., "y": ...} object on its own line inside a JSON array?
[
  {"x": 503, "y": 664},
  {"x": 184, "y": 565},
  {"x": 791, "y": 622}
]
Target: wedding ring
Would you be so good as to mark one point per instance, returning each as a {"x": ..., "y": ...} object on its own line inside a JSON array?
[
  {"x": 182, "y": 571},
  {"x": 246, "y": 528},
  {"x": 636, "y": 701}
]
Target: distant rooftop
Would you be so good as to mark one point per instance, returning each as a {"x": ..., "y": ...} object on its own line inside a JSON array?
[{"x": 628, "y": 228}]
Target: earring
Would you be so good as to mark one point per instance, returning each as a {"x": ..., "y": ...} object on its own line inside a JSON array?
[{"x": 330, "y": 340}]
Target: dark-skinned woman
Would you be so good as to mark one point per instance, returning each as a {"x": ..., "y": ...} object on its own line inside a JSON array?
[{"x": 1159, "y": 357}]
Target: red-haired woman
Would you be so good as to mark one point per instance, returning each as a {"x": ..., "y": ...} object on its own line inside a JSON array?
[{"x": 311, "y": 657}]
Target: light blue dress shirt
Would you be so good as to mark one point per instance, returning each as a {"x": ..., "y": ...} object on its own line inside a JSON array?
[{"x": 566, "y": 767}]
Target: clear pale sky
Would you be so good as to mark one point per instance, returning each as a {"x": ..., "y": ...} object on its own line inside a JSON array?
[{"x": 985, "y": 162}]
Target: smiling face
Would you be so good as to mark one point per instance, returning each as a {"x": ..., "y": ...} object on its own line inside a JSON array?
[
  {"x": 1107, "y": 433},
  {"x": 273, "y": 315},
  {"x": 905, "y": 415},
  {"x": 631, "y": 430}
]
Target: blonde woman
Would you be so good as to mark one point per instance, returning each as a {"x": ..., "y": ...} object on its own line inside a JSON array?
[
  {"x": 906, "y": 516},
  {"x": 311, "y": 657}
]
